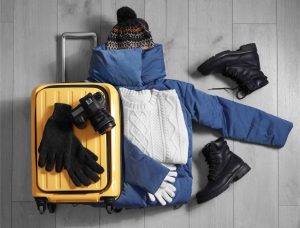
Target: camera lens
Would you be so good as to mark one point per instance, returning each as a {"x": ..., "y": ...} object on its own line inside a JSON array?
[
  {"x": 106, "y": 128},
  {"x": 102, "y": 121}
]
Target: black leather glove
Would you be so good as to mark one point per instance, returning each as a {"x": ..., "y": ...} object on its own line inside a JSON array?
[
  {"x": 57, "y": 138},
  {"x": 81, "y": 164}
]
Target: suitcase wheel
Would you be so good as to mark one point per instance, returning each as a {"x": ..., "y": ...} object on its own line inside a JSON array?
[
  {"x": 109, "y": 205},
  {"x": 41, "y": 209},
  {"x": 109, "y": 208},
  {"x": 51, "y": 207},
  {"x": 41, "y": 204}
]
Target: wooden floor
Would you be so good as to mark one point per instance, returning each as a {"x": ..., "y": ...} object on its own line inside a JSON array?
[{"x": 191, "y": 31}]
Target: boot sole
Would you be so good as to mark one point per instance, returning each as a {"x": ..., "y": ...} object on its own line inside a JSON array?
[
  {"x": 208, "y": 66},
  {"x": 238, "y": 174}
]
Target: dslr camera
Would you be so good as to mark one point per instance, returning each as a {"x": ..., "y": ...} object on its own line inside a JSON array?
[{"x": 93, "y": 107}]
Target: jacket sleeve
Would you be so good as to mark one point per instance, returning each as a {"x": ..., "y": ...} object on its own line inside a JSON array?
[
  {"x": 234, "y": 120},
  {"x": 140, "y": 169}
]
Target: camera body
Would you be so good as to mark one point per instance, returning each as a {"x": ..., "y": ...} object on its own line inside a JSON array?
[{"x": 94, "y": 108}]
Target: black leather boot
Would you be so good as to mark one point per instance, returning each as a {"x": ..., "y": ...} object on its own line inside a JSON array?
[
  {"x": 224, "y": 168},
  {"x": 241, "y": 65}
]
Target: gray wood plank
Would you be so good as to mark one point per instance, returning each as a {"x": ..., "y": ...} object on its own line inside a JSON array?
[
  {"x": 156, "y": 17},
  {"x": 217, "y": 212},
  {"x": 254, "y": 11},
  {"x": 210, "y": 31},
  {"x": 7, "y": 11},
  {"x": 25, "y": 214},
  {"x": 167, "y": 217},
  {"x": 176, "y": 46},
  {"x": 127, "y": 218},
  {"x": 78, "y": 16},
  {"x": 256, "y": 195},
  {"x": 78, "y": 216},
  {"x": 288, "y": 99},
  {"x": 289, "y": 217},
  {"x": 6, "y": 124},
  {"x": 108, "y": 18},
  {"x": 35, "y": 29}
]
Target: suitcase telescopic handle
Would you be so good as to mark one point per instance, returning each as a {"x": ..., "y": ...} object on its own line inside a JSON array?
[{"x": 77, "y": 36}]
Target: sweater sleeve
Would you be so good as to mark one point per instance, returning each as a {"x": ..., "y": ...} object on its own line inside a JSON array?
[
  {"x": 234, "y": 120},
  {"x": 141, "y": 170}
]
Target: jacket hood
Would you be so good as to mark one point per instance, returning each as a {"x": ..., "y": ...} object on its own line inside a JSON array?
[{"x": 127, "y": 67}]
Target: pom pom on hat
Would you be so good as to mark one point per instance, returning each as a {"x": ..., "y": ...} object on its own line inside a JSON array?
[{"x": 125, "y": 14}]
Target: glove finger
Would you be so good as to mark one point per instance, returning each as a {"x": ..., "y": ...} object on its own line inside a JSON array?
[
  {"x": 91, "y": 154},
  {"x": 160, "y": 199},
  {"x": 59, "y": 162},
  {"x": 74, "y": 178},
  {"x": 82, "y": 177},
  {"x": 170, "y": 179},
  {"x": 151, "y": 197},
  {"x": 43, "y": 151},
  {"x": 168, "y": 185},
  {"x": 166, "y": 197},
  {"x": 170, "y": 192},
  {"x": 67, "y": 158},
  {"x": 172, "y": 174},
  {"x": 94, "y": 165},
  {"x": 91, "y": 174},
  {"x": 50, "y": 161},
  {"x": 170, "y": 167}
]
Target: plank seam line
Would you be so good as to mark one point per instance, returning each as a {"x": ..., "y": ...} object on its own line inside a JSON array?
[
  {"x": 12, "y": 120},
  {"x": 286, "y": 205},
  {"x": 278, "y": 189},
  {"x": 254, "y": 23},
  {"x": 233, "y": 144}
]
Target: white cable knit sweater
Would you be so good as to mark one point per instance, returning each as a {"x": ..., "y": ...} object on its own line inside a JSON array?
[{"x": 154, "y": 122}]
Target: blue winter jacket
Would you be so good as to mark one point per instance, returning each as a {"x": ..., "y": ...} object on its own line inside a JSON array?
[{"x": 140, "y": 69}]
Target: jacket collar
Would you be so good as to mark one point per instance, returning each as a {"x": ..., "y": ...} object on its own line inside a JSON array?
[{"x": 127, "y": 67}]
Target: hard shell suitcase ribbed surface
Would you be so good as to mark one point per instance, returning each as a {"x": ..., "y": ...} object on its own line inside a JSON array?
[{"x": 52, "y": 187}]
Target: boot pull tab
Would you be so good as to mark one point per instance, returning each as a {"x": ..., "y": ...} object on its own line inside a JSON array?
[
  {"x": 220, "y": 141},
  {"x": 240, "y": 94}
]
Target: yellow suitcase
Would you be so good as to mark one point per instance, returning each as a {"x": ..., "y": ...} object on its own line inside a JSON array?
[{"x": 49, "y": 188}]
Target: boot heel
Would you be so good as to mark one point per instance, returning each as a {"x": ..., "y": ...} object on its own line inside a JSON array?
[
  {"x": 248, "y": 47},
  {"x": 242, "y": 172},
  {"x": 208, "y": 66}
]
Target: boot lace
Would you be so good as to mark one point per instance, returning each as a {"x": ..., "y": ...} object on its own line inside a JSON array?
[
  {"x": 213, "y": 162},
  {"x": 213, "y": 165},
  {"x": 239, "y": 78}
]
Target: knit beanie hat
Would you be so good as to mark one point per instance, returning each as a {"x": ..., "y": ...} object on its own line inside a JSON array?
[{"x": 130, "y": 31}]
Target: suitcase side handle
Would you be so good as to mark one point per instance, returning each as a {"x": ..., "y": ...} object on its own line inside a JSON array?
[{"x": 77, "y": 36}]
